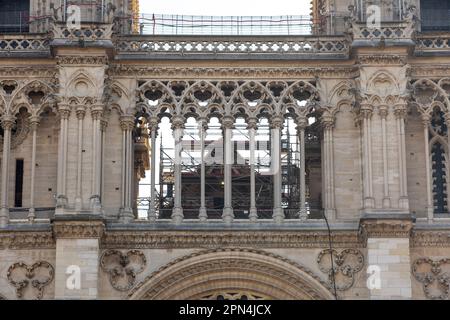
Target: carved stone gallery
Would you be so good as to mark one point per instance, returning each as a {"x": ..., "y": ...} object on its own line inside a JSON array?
[{"x": 309, "y": 162}]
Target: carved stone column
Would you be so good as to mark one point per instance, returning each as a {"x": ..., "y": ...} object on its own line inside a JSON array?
[
  {"x": 103, "y": 126},
  {"x": 34, "y": 123},
  {"x": 252, "y": 126},
  {"x": 80, "y": 112},
  {"x": 95, "y": 201},
  {"x": 400, "y": 116},
  {"x": 202, "y": 127},
  {"x": 302, "y": 123},
  {"x": 328, "y": 163},
  {"x": 366, "y": 113},
  {"x": 178, "y": 128},
  {"x": 276, "y": 126},
  {"x": 61, "y": 200},
  {"x": 153, "y": 126},
  {"x": 227, "y": 125},
  {"x": 7, "y": 124},
  {"x": 426, "y": 120},
  {"x": 383, "y": 112},
  {"x": 127, "y": 125}
]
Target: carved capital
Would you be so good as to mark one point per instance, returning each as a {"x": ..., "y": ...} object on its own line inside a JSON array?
[
  {"x": 78, "y": 229},
  {"x": 80, "y": 112},
  {"x": 177, "y": 122},
  {"x": 153, "y": 123},
  {"x": 252, "y": 123},
  {"x": 8, "y": 121},
  {"x": 386, "y": 228},
  {"x": 64, "y": 111},
  {"x": 302, "y": 123},
  {"x": 127, "y": 123},
  {"x": 97, "y": 112},
  {"x": 227, "y": 122},
  {"x": 383, "y": 111},
  {"x": 276, "y": 122},
  {"x": 34, "y": 122}
]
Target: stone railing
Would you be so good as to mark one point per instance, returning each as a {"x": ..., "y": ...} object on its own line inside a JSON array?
[
  {"x": 24, "y": 44},
  {"x": 86, "y": 32},
  {"x": 387, "y": 31},
  {"x": 433, "y": 43},
  {"x": 236, "y": 46}
]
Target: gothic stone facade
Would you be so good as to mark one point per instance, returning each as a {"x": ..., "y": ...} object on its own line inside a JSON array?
[{"x": 71, "y": 161}]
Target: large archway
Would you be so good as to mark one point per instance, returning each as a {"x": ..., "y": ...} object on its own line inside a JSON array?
[{"x": 232, "y": 273}]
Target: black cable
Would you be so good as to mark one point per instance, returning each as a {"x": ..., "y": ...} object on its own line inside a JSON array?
[{"x": 333, "y": 280}]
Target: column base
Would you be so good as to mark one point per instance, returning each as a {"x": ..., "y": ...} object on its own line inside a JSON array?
[
  {"x": 151, "y": 214},
  {"x": 31, "y": 215},
  {"x": 202, "y": 214},
  {"x": 177, "y": 215},
  {"x": 4, "y": 217},
  {"x": 228, "y": 215},
  {"x": 96, "y": 205},
  {"x": 253, "y": 214},
  {"x": 387, "y": 203},
  {"x": 403, "y": 203},
  {"x": 303, "y": 214},
  {"x": 369, "y": 203},
  {"x": 126, "y": 215},
  {"x": 278, "y": 215},
  {"x": 78, "y": 204},
  {"x": 330, "y": 214}
]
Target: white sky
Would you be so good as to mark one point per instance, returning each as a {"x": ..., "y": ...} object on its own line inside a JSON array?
[{"x": 227, "y": 7}]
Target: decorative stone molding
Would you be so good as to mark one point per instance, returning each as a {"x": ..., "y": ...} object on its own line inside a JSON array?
[
  {"x": 27, "y": 240},
  {"x": 227, "y": 295},
  {"x": 40, "y": 274},
  {"x": 293, "y": 281},
  {"x": 434, "y": 276},
  {"x": 346, "y": 264},
  {"x": 78, "y": 229},
  {"x": 38, "y": 71},
  {"x": 196, "y": 239},
  {"x": 383, "y": 59},
  {"x": 430, "y": 238},
  {"x": 82, "y": 60},
  {"x": 291, "y": 73},
  {"x": 122, "y": 267},
  {"x": 385, "y": 228}
]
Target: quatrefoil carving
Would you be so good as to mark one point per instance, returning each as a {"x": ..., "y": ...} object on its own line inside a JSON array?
[
  {"x": 345, "y": 264},
  {"x": 434, "y": 276},
  {"x": 122, "y": 268},
  {"x": 40, "y": 274}
]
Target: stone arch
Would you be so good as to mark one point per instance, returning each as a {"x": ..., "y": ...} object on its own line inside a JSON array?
[{"x": 232, "y": 270}]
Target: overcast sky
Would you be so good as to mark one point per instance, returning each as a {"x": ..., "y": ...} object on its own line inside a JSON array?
[{"x": 226, "y": 7}]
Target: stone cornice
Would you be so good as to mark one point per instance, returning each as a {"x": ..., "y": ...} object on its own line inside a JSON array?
[
  {"x": 82, "y": 60},
  {"x": 430, "y": 238},
  {"x": 233, "y": 73},
  {"x": 385, "y": 228},
  {"x": 40, "y": 71},
  {"x": 27, "y": 240},
  {"x": 384, "y": 59},
  {"x": 218, "y": 239},
  {"x": 78, "y": 229}
]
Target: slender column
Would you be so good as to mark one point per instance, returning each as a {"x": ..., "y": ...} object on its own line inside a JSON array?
[
  {"x": 302, "y": 123},
  {"x": 276, "y": 127},
  {"x": 34, "y": 122},
  {"x": 78, "y": 198},
  {"x": 7, "y": 124},
  {"x": 202, "y": 126},
  {"x": 127, "y": 125},
  {"x": 227, "y": 125},
  {"x": 96, "y": 113},
  {"x": 426, "y": 119},
  {"x": 177, "y": 127},
  {"x": 328, "y": 163},
  {"x": 252, "y": 126},
  {"x": 400, "y": 116},
  {"x": 151, "y": 213},
  {"x": 383, "y": 112},
  {"x": 369, "y": 201},
  {"x": 103, "y": 126},
  {"x": 61, "y": 201}
]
